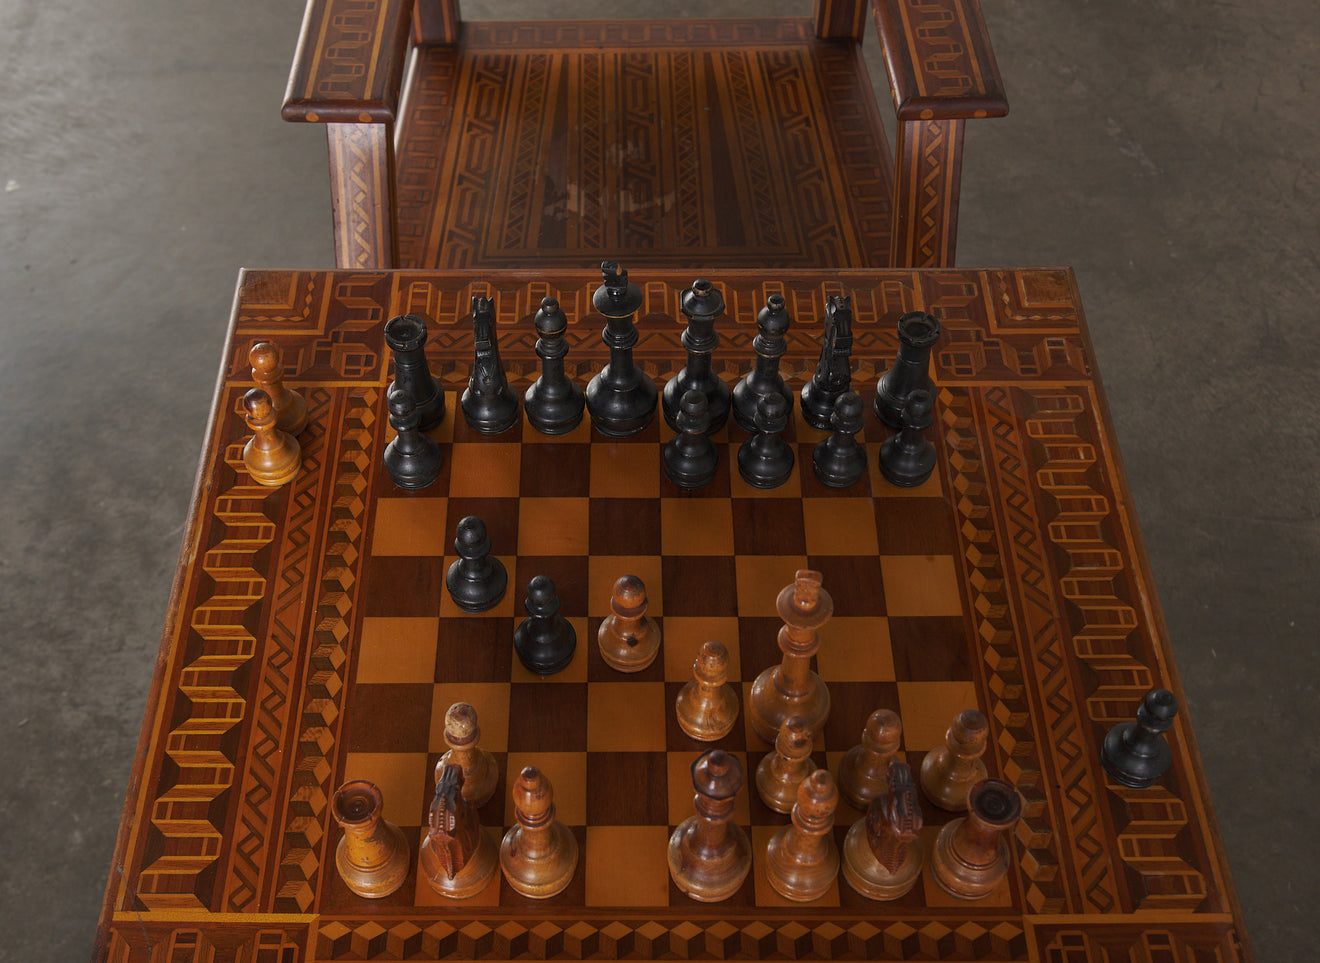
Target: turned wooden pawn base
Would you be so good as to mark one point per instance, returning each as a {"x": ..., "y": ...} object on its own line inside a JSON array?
[
  {"x": 472, "y": 879},
  {"x": 539, "y": 854},
  {"x": 707, "y": 707},
  {"x": 971, "y": 854},
  {"x": 868, "y": 875},
  {"x": 709, "y": 855},
  {"x": 372, "y": 857},
  {"x": 628, "y": 640}
]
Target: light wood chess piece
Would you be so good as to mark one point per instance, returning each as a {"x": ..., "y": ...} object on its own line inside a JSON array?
[
  {"x": 971, "y": 853},
  {"x": 458, "y": 858},
  {"x": 949, "y": 772},
  {"x": 628, "y": 640},
  {"x": 707, "y": 707},
  {"x": 539, "y": 854},
  {"x": 864, "y": 770},
  {"x": 782, "y": 771},
  {"x": 791, "y": 688},
  {"x": 272, "y": 456},
  {"x": 480, "y": 771},
  {"x": 372, "y": 856},
  {"x": 802, "y": 860},
  {"x": 709, "y": 854},
  {"x": 882, "y": 851},
  {"x": 268, "y": 375}
]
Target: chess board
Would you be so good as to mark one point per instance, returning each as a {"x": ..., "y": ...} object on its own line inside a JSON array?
[{"x": 312, "y": 641}]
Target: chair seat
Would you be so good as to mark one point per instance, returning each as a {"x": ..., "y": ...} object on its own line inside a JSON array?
[{"x": 684, "y": 143}]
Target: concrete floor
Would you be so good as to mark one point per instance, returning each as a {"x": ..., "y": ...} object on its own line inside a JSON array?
[{"x": 1166, "y": 150}]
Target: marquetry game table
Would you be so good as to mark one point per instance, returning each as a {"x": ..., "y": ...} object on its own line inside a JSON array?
[{"x": 310, "y": 640}]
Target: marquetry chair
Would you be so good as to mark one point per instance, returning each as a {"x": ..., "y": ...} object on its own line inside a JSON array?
[{"x": 678, "y": 143}]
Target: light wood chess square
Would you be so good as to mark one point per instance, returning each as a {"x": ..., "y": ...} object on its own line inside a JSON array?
[
  {"x": 567, "y": 772},
  {"x": 410, "y": 526},
  {"x": 553, "y": 526},
  {"x": 486, "y": 469},
  {"x": 627, "y": 866},
  {"x": 921, "y": 585},
  {"x": 696, "y": 526},
  {"x": 625, "y": 470},
  {"x": 490, "y": 699},
  {"x": 856, "y": 649},
  {"x": 761, "y": 578},
  {"x": 839, "y": 526},
  {"x": 397, "y": 650},
  {"x": 401, "y": 777},
  {"x": 929, "y": 708}
]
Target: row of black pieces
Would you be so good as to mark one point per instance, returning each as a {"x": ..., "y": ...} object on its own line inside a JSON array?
[{"x": 477, "y": 580}]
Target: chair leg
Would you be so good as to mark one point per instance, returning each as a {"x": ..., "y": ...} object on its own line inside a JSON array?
[
  {"x": 362, "y": 195},
  {"x": 927, "y": 179}
]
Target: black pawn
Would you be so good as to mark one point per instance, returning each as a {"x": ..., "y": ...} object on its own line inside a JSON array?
[
  {"x": 702, "y": 304},
  {"x": 833, "y": 374},
  {"x": 477, "y": 581},
  {"x": 544, "y": 640},
  {"x": 553, "y": 402},
  {"x": 406, "y": 337},
  {"x": 839, "y": 461},
  {"x": 769, "y": 344},
  {"x": 690, "y": 457},
  {"x": 488, "y": 405},
  {"x": 765, "y": 460},
  {"x": 907, "y": 458},
  {"x": 1135, "y": 753},
  {"x": 917, "y": 334},
  {"x": 621, "y": 399},
  {"x": 412, "y": 458}
]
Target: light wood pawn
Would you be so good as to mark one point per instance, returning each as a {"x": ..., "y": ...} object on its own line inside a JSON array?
[
  {"x": 971, "y": 853},
  {"x": 782, "y": 771},
  {"x": 539, "y": 854},
  {"x": 628, "y": 640},
  {"x": 372, "y": 856},
  {"x": 480, "y": 771},
  {"x": 791, "y": 688},
  {"x": 458, "y": 858},
  {"x": 268, "y": 375},
  {"x": 802, "y": 860},
  {"x": 272, "y": 456},
  {"x": 709, "y": 854},
  {"x": 882, "y": 851},
  {"x": 949, "y": 772},
  {"x": 864, "y": 770},
  {"x": 707, "y": 707}
]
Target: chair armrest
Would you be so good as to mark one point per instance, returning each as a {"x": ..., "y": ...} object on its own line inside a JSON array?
[
  {"x": 940, "y": 62},
  {"x": 348, "y": 67}
]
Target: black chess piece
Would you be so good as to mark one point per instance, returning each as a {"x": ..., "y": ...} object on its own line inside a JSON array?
[
  {"x": 765, "y": 460},
  {"x": 702, "y": 304},
  {"x": 544, "y": 640},
  {"x": 917, "y": 334},
  {"x": 621, "y": 399},
  {"x": 839, "y": 460},
  {"x": 690, "y": 457},
  {"x": 412, "y": 458},
  {"x": 1136, "y": 753},
  {"x": 553, "y": 402},
  {"x": 477, "y": 580},
  {"x": 907, "y": 458},
  {"x": 488, "y": 405},
  {"x": 769, "y": 344},
  {"x": 834, "y": 369},
  {"x": 406, "y": 337}
]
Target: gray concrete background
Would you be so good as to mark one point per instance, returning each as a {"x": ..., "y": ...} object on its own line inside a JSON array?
[{"x": 1165, "y": 149}]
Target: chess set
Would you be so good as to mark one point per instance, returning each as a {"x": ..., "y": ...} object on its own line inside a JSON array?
[{"x": 754, "y": 706}]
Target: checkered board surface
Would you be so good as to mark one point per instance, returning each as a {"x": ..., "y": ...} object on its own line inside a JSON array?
[{"x": 585, "y": 510}]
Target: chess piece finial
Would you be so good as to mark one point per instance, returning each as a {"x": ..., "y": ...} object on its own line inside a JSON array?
[
  {"x": 480, "y": 771},
  {"x": 272, "y": 456},
  {"x": 458, "y": 858},
  {"x": 554, "y": 403},
  {"x": 488, "y": 405},
  {"x": 628, "y": 640},
  {"x": 621, "y": 398},
  {"x": 971, "y": 853},
  {"x": 707, "y": 706},
  {"x": 864, "y": 770},
  {"x": 833, "y": 375},
  {"x": 917, "y": 334},
  {"x": 268, "y": 375},
  {"x": 782, "y": 771},
  {"x": 791, "y": 688},
  {"x": 882, "y": 852},
  {"x": 690, "y": 458},
  {"x": 545, "y": 640},
  {"x": 406, "y": 337},
  {"x": 908, "y": 458},
  {"x": 372, "y": 856},
  {"x": 949, "y": 771},
  {"x": 1136, "y": 753},
  {"x": 709, "y": 854},
  {"x": 765, "y": 460},
  {"x": 702, "y": 304},
  {"x": 477, "y": 580},
  {"x": 412, "y": 459},
  {"x": 764, "y": 379},
  {"x": 840, "y": 460},
  {"x": 539, "y": 854},
  {"x": 802, "y": 859}
]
